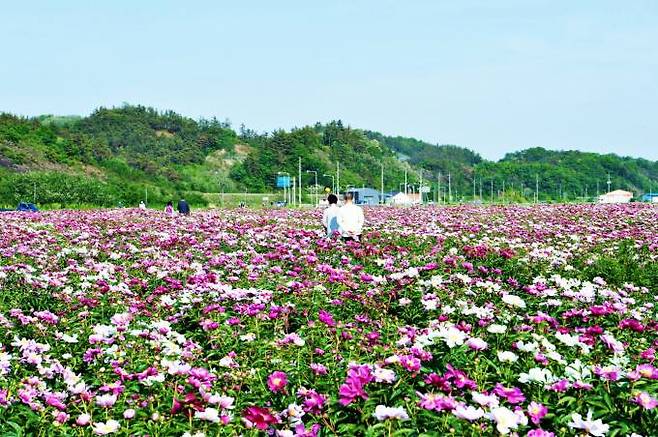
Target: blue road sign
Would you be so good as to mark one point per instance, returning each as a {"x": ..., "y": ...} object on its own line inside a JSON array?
[{"x": 283, "y": 181}]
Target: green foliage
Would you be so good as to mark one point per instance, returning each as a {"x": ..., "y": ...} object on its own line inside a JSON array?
[
  {"x": 320, "y": 147},
  {"x": 563, "y": 175},
  {"x": 153, "y": 141},
  {"x": 55, "y": 188},
  {"x": 58, "y": 120},
  {"x": 130, "y": 149},
  {"x": 573, "y": 172},
  {"x": 24, "y": 142}
]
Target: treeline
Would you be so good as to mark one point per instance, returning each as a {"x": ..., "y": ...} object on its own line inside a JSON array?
[
  {"x": 112, "y": 157},
  {"x": 56, "y": 189},
  {"x": 558, "y": 175},
  {"x": 154, "y": 142},
  {"x": 322, "y": 148},
  {"x": 116, "y": 155}
]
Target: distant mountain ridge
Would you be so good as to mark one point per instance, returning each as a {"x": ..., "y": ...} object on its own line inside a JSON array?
[{"x": 117, "y": 155}]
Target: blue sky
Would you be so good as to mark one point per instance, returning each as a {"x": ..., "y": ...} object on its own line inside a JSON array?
[{"x": 495, "y": 76}]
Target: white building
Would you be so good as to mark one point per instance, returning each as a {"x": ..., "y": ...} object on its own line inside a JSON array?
[
  {"x": 405, "y": 199},
  {"x": 617, "y": 196}
]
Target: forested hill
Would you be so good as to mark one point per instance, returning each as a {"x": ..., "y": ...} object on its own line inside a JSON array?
[
  {"x": 118, "y": 155},
  {"x": 563, "y": 175}
]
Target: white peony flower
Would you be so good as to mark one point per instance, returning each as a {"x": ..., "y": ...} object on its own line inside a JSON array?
[
  {"x": 527, "y": 347},
  {"x": 507, "y": 356},
  {"x": 537, "y": 374},
  {"x": 104, "y": 428},
  {"x": 594, "y": 427},
  {"x": 496, "y": 329},
  {"x": 505, "y": 419},
  {"x": 210, "y": 414},
  {"x": 485, "y": 400},
  {"x": 452, "y": 336},
  {"x": 383, "y": 412},
  {"x": 514, "y": 300},
  {"x": 384, "y": 375},
  {"x": 468, "y": 412}
]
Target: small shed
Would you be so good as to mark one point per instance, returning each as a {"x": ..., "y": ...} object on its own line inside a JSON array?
[
  {"x": 365, "y": 196},
  {"x": 616, "y": 196},
  {"x": 401, "y": 198}
]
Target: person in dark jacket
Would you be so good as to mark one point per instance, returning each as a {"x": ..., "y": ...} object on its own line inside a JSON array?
[{"x": 183, "y": 207}]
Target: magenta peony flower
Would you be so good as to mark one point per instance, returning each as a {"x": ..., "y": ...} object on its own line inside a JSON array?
[
  {"x": 258, "y": 417},
  {"x": 326, "y": 318},
  {"x": 277, "y": 381},
  {"x": 513, "y": 395},
  {"x": 539, "y": 433}
]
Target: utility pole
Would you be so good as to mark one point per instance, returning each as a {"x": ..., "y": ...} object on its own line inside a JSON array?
[
  {"x": 481, "y": 190},
  {"x": 333, "y": 182},
  {"x": 294, "y": 185},
  {"x": 338, "y": 179},
  {"x": 381, "y": 197},
  {"x": 299, "y": 176},
  {"x": 473, "y": 187},
  {"x": 405, "y": 184},
  {"x": 449, "y": 189},
  {"x": 537, "y": 188},
  {"x": 439, "y": 188},
  {"x": 420, "y": 187},
  {"x": 491, "y": 190},
  {"x": 146, "y": 191},
  {"x": 609, "y": 182},
  {"x": 503, "y": 191},
  {"x": 315, "y": 188}
]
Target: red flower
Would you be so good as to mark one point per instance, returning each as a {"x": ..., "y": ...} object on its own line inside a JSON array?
[{"x": 259, "y": 417}]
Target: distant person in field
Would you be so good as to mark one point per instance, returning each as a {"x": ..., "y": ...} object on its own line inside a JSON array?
[
  {"x": 169, "y": 209},
  {"x": 330, "y": 216},
  {"x": 142, "y": 205},
  {"x": 183, "y": 207},
  {"x": 350, "y": 219}
]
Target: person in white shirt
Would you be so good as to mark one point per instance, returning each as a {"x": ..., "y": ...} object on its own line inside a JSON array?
[
  {"x": 330, "y": 215},
  {"x": 350, "y": 219}
]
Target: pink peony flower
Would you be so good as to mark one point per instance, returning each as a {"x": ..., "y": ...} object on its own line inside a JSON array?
[
  {"x": 277, "y": 381},
  {"x": 83, "y": 419},
  {"x": 645, "y": 400},
  {"x": 436, "y": 402},
  {"x": 536, "y": 412},
  {"x": 318, "y": 369}
]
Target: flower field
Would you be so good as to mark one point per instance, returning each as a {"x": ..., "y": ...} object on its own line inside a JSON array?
[{"x": 533, "y": 321}]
